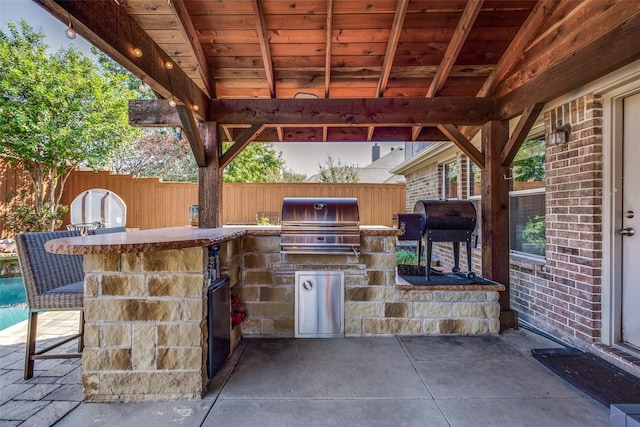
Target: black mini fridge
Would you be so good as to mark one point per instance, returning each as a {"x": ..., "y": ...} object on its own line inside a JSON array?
[{"x": 219, "y": 324}]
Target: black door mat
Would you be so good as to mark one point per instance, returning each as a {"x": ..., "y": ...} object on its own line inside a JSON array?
[{"x": 594, "y": 376}]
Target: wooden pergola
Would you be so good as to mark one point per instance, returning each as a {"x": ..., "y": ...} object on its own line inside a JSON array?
[{"x": 359, "y": 70}]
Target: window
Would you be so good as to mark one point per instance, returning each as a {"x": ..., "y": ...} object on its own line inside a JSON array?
[
  {"x": 527, "y": 199},
  {"x": 450, "y": 181}
]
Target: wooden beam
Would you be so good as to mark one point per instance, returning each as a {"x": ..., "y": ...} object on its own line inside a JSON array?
[
  {"x": 352, "y": 111},
  {"x": 455, "y": 45},
  {"x": 538, "y": 16},
  {"x": 392, "y": 45},
  {"x": 195, "y": 49},
  {"x": 210, "y": 180},
  {"x": 244, "y": 140},
  {"x": 108, "y": 27},
  {"x": 153, "y": 113},
  {"x": 190, "y": 129},
  {"x": 370, "y": 132},
  {"x": 495, "y": 212},
  {"x": 528, "y": 118},
  {"x": 327, "y": 54},
  {"x": 415, "y": 132},
  {"x": 613, "y": 50},
  {"x": 280, "y": 133},
  {"x": 452, "y": 132},
  {"x": 263, "y": 40}
]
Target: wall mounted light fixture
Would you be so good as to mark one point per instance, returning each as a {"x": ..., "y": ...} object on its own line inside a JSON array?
[{"x": 560, "y": 134}]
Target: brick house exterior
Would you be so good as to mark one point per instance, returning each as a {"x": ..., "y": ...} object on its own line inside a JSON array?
[{"x": 562, "y": 293}]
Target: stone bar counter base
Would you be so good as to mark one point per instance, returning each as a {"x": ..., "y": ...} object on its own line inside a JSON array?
[
  {"x": 145, "y": 332},
  {"x": 146, "y": 302}
]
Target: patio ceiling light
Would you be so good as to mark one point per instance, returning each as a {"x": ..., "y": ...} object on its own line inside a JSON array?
[
  {"x": 137, "y": 52},
  {"x": 70, "y": 32},
  {"x": 172, "y": 101},
  {"x": 195, "y": 107},
  {"x": 169, "y": 65}
]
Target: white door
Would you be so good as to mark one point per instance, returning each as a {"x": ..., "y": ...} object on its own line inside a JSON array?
[{"x": 631, "y": 222}]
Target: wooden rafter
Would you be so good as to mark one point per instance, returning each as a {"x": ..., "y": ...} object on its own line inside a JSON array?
[
  {"x": 617, "y": 47},
  {"x": 280, "y": 133},
  {"x": 452, "y": 132},
  {"x": 243, "y": 140},
  {"x": 455, "y": 45},
  {"x": 520, "y": 133},
  {"x": 327, "y": 55},
  {"x": 527, "y": 32},
  {"x": 195, "y": 49},
  {"x": 392, "y": 45},
  {"x": 263, "y": 40},
  {"x": 108, "y": 27},
  {"x": 370, "y": 131},
  {"x": 190, "y": 129}
]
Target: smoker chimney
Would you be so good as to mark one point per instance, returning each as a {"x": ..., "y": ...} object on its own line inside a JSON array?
[{"x": 375, "y": 152}]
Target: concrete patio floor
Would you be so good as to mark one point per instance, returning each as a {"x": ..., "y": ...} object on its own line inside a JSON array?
[{"x": 382, "y": 381}]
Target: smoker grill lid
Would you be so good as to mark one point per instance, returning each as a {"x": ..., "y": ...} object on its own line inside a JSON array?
[{"x": 447, "y": 214}]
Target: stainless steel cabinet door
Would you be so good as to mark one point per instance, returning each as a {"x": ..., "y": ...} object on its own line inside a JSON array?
[{"x": 319, "y": 307}]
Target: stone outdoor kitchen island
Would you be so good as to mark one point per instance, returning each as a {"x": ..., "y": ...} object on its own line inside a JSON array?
[{"x": 146, "y": 309}]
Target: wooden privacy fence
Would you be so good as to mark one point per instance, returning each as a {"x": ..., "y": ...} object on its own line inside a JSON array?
[{"x": 155, "y": 204}]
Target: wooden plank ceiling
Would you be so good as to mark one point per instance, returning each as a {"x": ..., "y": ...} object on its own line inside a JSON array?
[{"x": 454, "y": 62}]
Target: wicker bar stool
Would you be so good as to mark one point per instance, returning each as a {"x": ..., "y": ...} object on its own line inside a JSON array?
[{"x": 52, "y": 282}]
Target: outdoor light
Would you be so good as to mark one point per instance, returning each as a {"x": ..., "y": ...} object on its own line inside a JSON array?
[
  {"x": 137, "y": 52},
  {"x": 143, "y": 87},
  {"x": 172, "y": 101},
  {"x": 560, "y": 134},
  {"x": 195, "y": 107},
  {"x": 169, "y": 65},
  {"x": 70, "y": 32}
]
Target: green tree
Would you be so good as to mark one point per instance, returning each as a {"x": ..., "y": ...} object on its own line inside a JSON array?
[
  {"x": 528, "y": 165},
  {"x": 337, "y": 172},
  {"x": 258, "y": 162},
  {"x": 57, "y": 112}
]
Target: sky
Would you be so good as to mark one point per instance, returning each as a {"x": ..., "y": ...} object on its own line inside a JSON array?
[{"x": 299, "y": 157}]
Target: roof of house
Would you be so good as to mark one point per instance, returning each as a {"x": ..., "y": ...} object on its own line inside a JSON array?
[{"x": 378, "y": 171}]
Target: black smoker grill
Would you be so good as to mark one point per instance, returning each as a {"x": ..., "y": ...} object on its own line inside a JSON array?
[
  {"x": 320, "y": 226},
  {"x": 441, "y": 221}
]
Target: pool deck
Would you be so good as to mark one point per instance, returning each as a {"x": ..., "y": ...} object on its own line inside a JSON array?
[{"x": 377, "y": 381}]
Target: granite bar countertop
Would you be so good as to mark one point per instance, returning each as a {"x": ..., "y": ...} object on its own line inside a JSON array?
[{"x": 159, "y": 239}]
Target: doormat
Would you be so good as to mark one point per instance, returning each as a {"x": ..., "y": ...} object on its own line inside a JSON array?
[{"x": 594, "y": 376}]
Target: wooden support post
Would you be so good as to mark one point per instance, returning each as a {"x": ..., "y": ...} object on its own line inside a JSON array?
[
  {"x": 210, "y": 178},
  {"x": 495, "y": 216}
]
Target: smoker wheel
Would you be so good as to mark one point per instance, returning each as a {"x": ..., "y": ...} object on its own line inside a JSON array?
[
  {"x": 471, "y": 275},
  {"x": 455, "y": 269}
]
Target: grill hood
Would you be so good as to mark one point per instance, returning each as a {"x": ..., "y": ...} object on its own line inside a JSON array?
[{"x": 320, "y": 226}]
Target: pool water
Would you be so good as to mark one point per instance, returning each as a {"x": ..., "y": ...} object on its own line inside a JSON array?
[{"x": 13, "y": 302}]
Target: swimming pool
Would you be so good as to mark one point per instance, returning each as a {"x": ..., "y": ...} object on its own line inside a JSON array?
[{"x": 13, "y": 302}]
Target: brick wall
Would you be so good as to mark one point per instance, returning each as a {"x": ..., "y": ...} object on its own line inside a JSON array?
[
  {"x": 564, "y": 295},
  {"x": 422, "y": 184}
]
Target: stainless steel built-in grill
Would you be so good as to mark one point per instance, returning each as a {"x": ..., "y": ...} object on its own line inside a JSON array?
[
  {"x": 320, "y": 226},
  {"x": 441, "y": 221}
]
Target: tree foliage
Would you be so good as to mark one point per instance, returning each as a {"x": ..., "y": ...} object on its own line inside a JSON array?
[
  {"x": 337, "y": 172},
  {"x": 57, "y": 111},
  {"x": 528, "y": 165},
  {"x": 159, "y": 153},
  {"x": 258, "y": 162}
]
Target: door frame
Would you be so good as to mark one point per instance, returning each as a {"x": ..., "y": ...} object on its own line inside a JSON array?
[{"x": 612, "y": 143}]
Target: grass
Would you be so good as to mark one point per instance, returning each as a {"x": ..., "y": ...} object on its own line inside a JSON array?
[{"x": 406, "y": 257}]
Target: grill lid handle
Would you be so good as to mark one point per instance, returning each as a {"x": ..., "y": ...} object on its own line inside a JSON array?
[{"x": 319, "y": 206}]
